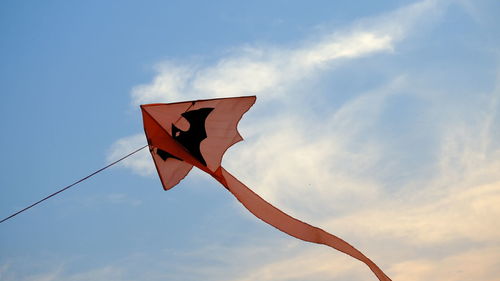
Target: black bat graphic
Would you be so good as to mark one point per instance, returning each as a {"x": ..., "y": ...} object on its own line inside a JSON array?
[{"x": 190, "y": 139}]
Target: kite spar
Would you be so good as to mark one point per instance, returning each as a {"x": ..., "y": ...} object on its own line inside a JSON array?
[{"x": 191, "y": 134}]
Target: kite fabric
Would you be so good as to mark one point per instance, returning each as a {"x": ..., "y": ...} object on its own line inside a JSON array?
[{"x": 198, "y": 133}]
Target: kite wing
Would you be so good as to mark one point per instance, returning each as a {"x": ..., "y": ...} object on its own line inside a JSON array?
[{"x": 197, "y": 133}]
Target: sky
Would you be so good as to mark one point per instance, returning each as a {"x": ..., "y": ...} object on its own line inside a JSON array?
[{"x": 377, "y": 121}]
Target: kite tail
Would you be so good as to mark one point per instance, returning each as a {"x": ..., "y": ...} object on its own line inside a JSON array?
[{"x": 294, "y": 227}]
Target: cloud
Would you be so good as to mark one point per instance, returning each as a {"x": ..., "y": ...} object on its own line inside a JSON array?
[
  {"x": 312, "y": 264},
  {"x": 431, "y": 227},
  {"x": 7, "y": 273},
  {"x": 468, "y": 265},
  {"x": 271, "y": 71},
  {"x": 460, "y": 202},
  {"x": 122, "y": 198},
  {"x": 320, "y": 162},
  {"x": 427, "y": 194},
  {"x": 266, "y": 71},
  {"x": 109, "y": 273},
  {"x": 140, "y": 162}
]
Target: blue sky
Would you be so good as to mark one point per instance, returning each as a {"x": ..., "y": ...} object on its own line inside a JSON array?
[{"x": 376, "y": 121}]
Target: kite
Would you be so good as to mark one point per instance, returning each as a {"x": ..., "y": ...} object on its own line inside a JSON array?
[{"x": 197, "y": 133}]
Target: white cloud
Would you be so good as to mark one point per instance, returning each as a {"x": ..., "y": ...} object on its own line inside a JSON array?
[
  {"x": 172, "y": 79},
  {"x": 326, "y": 167},
  {"x": 140, "y": 163},
  {"x": 477, "y": 264},
  {"x": 429, "y": 229},
  {"x": 269, "y": 71}
]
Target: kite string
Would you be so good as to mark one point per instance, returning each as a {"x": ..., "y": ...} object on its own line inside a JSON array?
[{"x": 76, "y": 182}]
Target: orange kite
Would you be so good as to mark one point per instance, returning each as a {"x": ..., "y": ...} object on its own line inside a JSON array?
[{"x": 198, "y": 133}]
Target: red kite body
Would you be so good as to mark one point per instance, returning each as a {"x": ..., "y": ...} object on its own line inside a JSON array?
[{"x": 198, "y": 133}]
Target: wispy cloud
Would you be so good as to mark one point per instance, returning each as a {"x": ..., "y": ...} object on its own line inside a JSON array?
[
  {"x": 140, "y": 162},
  {"x": 58, "y": 274},
  {"x": 479, "y": 264},
  {"x": 122, "y": 198},
  {"x": 264, "y": 71},
  {"x": 270, "y": 71},
  {"x": 341, "y": 168}
]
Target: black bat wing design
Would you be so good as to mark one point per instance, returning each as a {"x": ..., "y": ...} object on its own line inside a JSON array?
[{"x": 190, "y": 139}]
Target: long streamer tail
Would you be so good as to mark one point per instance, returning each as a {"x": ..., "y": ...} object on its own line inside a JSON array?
[{"x": 294, "y": 227}]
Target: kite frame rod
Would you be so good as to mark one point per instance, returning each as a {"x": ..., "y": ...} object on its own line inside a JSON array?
[{"x": 75, "y": 183}]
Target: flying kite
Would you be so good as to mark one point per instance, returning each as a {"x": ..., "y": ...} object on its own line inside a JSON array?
[{"x": 197, "y": 133}]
